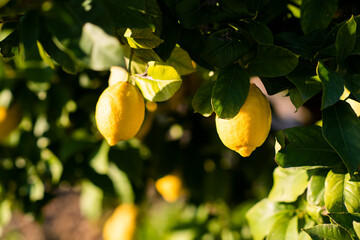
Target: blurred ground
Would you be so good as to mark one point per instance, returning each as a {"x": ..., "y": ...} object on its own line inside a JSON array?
[{"x": 62, "y": 221}]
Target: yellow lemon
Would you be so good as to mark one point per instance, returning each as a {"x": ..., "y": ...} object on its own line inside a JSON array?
[
  {"x": 119, "y": 112},
  {"x": 250, "y": 127},
  {"x": 121, "y": 225},
  {"x": 9, "y": 120},
  {"x": 169, "y": 187}
]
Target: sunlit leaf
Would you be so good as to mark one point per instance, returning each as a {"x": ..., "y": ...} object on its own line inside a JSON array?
[
  {"x": 91, "y": 200},
  {"x": 341, "y": 193},
  {"x": 264, "y": 215},
  {"x": 160, "y": 83},
  {"x": 142, "y": 38},
  {"x": 121, "y": 184},
  {"x": 181, "y": 61},
  {"x": 103, "y": 50},
  {"x": 288, "y": 184},
  {"x": 327, "y": 231},
  {"x": 100, "y": 161},
  {"x": 316, "y": 189}
]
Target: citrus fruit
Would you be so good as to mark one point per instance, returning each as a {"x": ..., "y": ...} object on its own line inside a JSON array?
[
  {"x": 250, "y": 127},
  {"x": 121, "y": 224},
  {"x": 119, "y": 112},
  {"x": 169, "y": 187},
  {"x": 9, "y": 119}
]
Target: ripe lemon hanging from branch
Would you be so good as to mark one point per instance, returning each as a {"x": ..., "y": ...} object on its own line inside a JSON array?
[
  {"x": 120, "y": 110},
  {"x": 250, "y": 127}
]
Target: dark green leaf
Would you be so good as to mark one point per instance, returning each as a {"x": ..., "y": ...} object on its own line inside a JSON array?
[
  {"x": 306, "y": 81},
  {"x": 317, "y": 14},
  {"x": 272, "y": 61},
  {"x": 341, "y": 128},
  {"x": 345, "y": 220},
  {"x": 224, "y": 47},
  {"x": 327, "y": 231},
  {"x": 333, "y": 85},
  {"x": 352, "y": 82},
  {"x": 295, "y": 97},
  {"x": 276, "y": 85},
  {"x": 9, "y": 45},
  {"x": 230, "y": 91},
  {"x": 345, "y": 40},
  {"x": 288, "y": 184},
  {"x": 265, "y": 214},
  {"x": 305, "y": 147},
  {"x": 29, "y": 34},
  {"x": 260, "y": 32},
  {"x": 341, "y": 193},
  {"x": 294, "y": 43},
  {"x": 202, "y": 99}
]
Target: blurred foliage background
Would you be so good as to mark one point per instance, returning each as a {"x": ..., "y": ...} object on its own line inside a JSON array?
[{"x": 55, "y": 167}]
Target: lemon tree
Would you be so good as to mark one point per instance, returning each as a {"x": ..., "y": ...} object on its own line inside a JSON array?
[{"x": 110, "y": 98}]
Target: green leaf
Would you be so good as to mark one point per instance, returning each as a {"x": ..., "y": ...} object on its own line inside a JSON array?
[
  {"x": 284, "y": 228},
  {"x": 202, "y": 99},
  {"x": 317, "y": 14},
  {"x": 29, "y": 34},
  {"x": 356, "y": 226},
  {"x": 121, "y": 183},
  {"x": 272, "y": 61},
  {"x": 160, "y": 83},
  {"x": 345, "y": 40},
  {"x": 142, "y": 38},
  {"x": 230, "y": 91},
  {"x": 305, "y": 147},
  {"x": 91, "y": 200},
  {"x": 327, "y": 231},
  {"x": 53, "y": 164},
  {"x": 289, "y": 184},
  {"x": 345, "y": 220},
  {"x": 36, "y": 186},
  {"x": 102, "y": 50},
  {"x": 5, "y": 212},
  {"x": 295, "y": 43},
  {"x": 316, "y": 189},
  {"x": 224, "y": 47},
  {"x": 333, "y": 85},
  {"x": 265, "y": 214},
  {"x": 306, "y": 81},
  {"x": 352, "y": 82},
  {"x": 100, "y": 161},
  {"x": 260, "y": 32},
  {"x": 341, "y": 128},
  {"x": 341, "y": 193},
  {"x": 295, "y": 97},
  {"x": 181, "y": 61}
]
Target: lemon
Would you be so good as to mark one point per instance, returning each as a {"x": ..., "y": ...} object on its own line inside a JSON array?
[
  {"x": 119, "y": 112},
  {"x": 250, "y": 127},
  {"x": 121, "y": 225},
  {"x": 9, "y": 120},
  {"x": 169, "y": 187}
]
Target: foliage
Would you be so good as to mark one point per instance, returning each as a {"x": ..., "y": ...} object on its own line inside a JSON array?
[{"x": 56, "y": 57}]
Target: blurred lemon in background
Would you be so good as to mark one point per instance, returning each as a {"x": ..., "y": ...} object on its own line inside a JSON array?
[
  {"x": 169, "y": 187},
  {"x": 9, "y": 119},
  {"x": 121, "y": 225}
]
